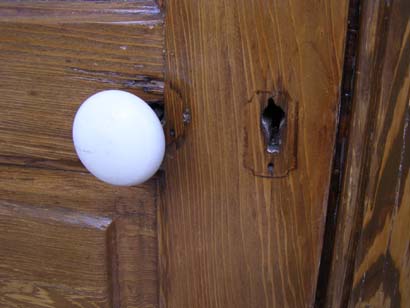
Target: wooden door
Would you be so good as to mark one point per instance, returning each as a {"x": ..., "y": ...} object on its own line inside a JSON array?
[
  {"x": 371, "y": 261},
  {"x": 240, "y": 227},
  {"x": 244, "y": 212},
  {"x": 66, "y": 239}
]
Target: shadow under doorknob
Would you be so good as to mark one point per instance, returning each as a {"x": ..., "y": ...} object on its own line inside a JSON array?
[{"x": 118, "y": 138}]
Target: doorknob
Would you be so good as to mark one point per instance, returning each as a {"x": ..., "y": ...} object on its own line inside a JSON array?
[{"x": 118, "y": 138}]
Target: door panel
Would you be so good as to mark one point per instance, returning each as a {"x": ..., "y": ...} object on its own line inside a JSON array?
[
  {"x": 371, "y": 265},
  {"x": 237, "y": 226},
  {"x": 229, "y": 237},
  {"x": 66, "y": 240},
  {"x": 382, "y": 260},
  {"x": 53, "y": 256},
  {"x": 55, "y": 54}
]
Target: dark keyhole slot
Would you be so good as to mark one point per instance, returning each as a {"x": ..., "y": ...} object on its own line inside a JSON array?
[{"x": 272, "y": 121}]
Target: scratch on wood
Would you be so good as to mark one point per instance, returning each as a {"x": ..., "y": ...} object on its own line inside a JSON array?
[
  {"x": 55, "y": 215},
  {"x": 142, "y": 82}
]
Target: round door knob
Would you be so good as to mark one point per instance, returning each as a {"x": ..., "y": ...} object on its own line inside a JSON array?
[{"x": 118, "y": 138}]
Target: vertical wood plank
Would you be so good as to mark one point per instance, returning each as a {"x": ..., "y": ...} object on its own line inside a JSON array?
[
  {"x": 382, "y": 263},
  {"x": 343, "y": 171},
  {"x": 229, "y": 238},
  {"x": 371, "y": 265}
]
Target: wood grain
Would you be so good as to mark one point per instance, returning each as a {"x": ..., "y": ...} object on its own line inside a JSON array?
[
  {"x": 141, "y": 12},
  {"x": 52, "y": 258},
  {"x": 330, "y": 283},
  {"x": 228, "y": 238},
  {"x": 67, "y": 239},
  {"x": 55, "y": 54},
  {"x": 371, "y": 256}
]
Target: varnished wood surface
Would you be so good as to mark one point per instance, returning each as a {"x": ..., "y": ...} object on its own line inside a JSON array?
[
  {"x": 142, "y": 12},
  {"x": 55, "y": 54},
  {"x": 228, "y": 238},
  {"x": 53, "y": 258},
  {"x": 330, "y": 281},
  {"x": 68, "y": 240},
  {"x": 382, "y": 263},
  {"x": 371, "y": 258}
]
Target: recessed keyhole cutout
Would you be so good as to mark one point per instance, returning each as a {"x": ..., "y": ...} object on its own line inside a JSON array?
[{"x": 272, "y": 121}]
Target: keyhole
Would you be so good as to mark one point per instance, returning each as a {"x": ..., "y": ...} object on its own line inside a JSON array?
[{"x": 272, "y": 122}]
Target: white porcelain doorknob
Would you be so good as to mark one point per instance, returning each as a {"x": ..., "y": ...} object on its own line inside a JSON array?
[{"x": 118, "y": 138}]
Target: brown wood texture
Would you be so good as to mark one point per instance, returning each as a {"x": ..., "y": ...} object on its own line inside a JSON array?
[
  {"x": 371, "y": 261},
  {"x": 140, "y": 12},
  {"x": 69, "y": 240},
  {"x": 66, "y": 239},
  {"x": 55, "y": 54},
  {"x": 229, "y": 238}
]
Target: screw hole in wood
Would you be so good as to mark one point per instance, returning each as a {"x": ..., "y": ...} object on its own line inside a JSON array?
[{"x": 270, "y": 168}]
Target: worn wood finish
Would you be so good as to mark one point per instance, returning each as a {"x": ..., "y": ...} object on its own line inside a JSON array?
[
  {"x": 332, "y": 267},
  {"x": 228, "y": 238},
  {"x": 55, "y": 54},
  {"x": 67, "y": 239},
  {"x": 382, "y": 262},
  {"x": 140, "y": 12},
  {"x": 371, "y": 257}
]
